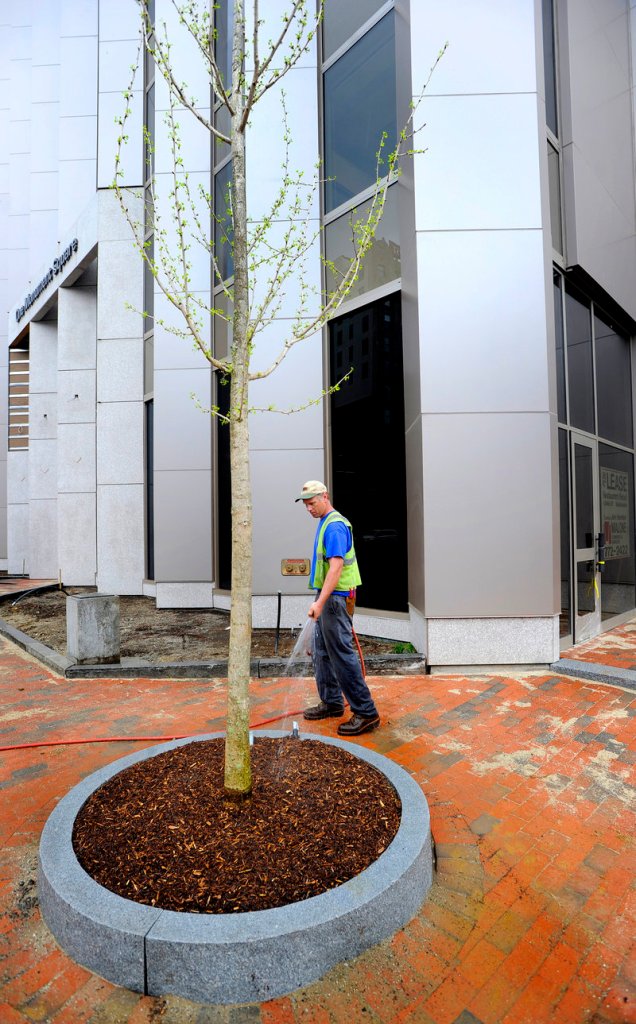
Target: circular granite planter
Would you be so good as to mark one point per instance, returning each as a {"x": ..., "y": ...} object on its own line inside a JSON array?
[{"x": 231, "y": 958}]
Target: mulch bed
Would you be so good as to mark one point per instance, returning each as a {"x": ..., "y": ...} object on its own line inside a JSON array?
[{"x": 163, "y": 833}]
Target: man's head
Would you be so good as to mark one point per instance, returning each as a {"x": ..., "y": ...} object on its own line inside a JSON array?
[{"x": 315, "y": 497}]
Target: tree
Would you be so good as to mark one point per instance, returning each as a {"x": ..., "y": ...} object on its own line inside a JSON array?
[{"x": 256, "y": 255}]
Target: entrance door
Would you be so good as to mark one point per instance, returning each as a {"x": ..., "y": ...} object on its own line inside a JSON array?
[{"x": 586, "y": 518}]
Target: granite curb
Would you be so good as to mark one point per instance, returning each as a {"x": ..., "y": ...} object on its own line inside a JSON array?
[
  {"x": 610, "y": 675},
  {"x": 232, "y": 958},
  {"x": 138, "y": 668}
]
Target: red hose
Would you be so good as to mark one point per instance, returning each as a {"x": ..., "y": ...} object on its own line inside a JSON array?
[
  {"x": 159, "y": 739},
  {"x": 133, "y": 739}
]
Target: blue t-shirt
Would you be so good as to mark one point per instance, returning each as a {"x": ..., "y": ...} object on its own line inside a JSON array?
[{"x": 337, "y": 541}]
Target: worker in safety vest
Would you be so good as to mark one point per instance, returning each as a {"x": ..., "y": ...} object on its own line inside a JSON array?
[{"x": 334, "y": 577}]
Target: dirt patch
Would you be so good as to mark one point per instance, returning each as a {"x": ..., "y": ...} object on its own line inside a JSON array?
[
  {"x": 158, "y": 635},
  {"x": 163, "y": 832}
]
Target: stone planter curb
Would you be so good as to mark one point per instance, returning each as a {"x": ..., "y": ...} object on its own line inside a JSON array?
[{"x": 231, "y": 958}]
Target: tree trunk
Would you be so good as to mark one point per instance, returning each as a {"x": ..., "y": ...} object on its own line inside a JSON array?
[{"x": 238, "y": 772}]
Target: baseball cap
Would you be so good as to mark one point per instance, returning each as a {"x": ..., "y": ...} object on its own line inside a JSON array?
[{"x": 311, "y": 489}]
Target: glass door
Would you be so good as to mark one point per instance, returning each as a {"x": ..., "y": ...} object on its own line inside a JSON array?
[{"x": 586, "y": 518}]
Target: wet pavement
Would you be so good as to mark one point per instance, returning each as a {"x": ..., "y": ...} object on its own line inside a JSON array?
[{"x": 531, "y": 784}]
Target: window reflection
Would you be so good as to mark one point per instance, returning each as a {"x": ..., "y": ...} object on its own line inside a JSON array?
[
  {"x": 341, "y": 19},
  {"x": 223, "y": 226},
  {"x": 359, "y": 105},
  {"x": 613, "y": 384},
  {"x": 616, "y": 470},
  {"x": 565, "y": 621},
  {"x": 559, "y": 346},
  {"x": 381, "y": 264},
  {"x": 580, "y": 371},
  {"x": 554, "y": 179}
]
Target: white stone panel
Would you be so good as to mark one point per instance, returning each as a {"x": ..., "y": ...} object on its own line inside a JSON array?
[
  {"x": 44, "y": 143},
  {"x": 112, "y": 225},
  {"x": 79, "y": 17},
  {"x": 42, "y": 417},
  {"x": 118, "y": 19},
  {"x": 492, "y": 46},
  {"x": 111, "y": 106},
  {"x": 43, "y": 560},
  {"x": 182, "y": 430},
  {"x": 45, "y": 81},
  {"x": 18, "y": 477},
  {"x": 42, "y": 469},
  {"x": 183, "y": 526},
  {"x": 195, "y": 141},
  {"x": 282, "y": 528},
  {"x": 44, "y": 190},
  {"x": 481, "y": 168},
  {"x": 76, "y": 457},
  {"x": 120, "y": 443},
  {"x": 265, "y": 143},
  {"x": 184, "y": 595},
  {"x": 488, "y": 354},
  {"x": 120, "y": 370},
  {"x": 76, "y": 396},
  {"x": 489, "y": 507},
  {"x": 296, "y": 382},
  {"x": 18, "y": 538},
  {"x": 172, "y": 351},
  {"x": 120, "y": 286},
  {"x": 77, "y": 180},
  {"x": 77, "y": 539},
  {"x": 42, "y": 358},
  {"x": 120, "y": 539},
  {"x": 78, "y": 137},
  {"x": 196, "y": 206},
  {"x": 78, "y": 78},
  {"x": 484, "y": 641}
]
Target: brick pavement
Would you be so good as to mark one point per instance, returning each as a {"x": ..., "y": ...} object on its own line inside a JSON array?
[{"x": 530, "y": 781}]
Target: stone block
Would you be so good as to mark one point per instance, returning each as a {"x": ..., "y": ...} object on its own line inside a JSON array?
[{"x": 92, "y": 628}]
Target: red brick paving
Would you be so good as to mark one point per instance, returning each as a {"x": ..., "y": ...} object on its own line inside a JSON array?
[
  {"x": 616, "y": 647},
  {"x": 530, "y": 781}
]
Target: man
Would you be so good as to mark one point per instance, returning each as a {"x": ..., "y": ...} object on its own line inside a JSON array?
[{"x": 334, "y": 575}]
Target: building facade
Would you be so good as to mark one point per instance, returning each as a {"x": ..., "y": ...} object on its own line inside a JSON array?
[{"x": 484, "y": 445}]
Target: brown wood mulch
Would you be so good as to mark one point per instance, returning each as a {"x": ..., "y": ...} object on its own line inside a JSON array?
[{"x": 163, "y": 833}]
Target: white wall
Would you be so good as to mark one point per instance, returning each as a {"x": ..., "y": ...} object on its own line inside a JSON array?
[{"x": 485, "y": 423}]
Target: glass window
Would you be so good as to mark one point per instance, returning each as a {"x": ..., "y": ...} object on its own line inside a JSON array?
[
  {"x": 149, "y": 135},
  {"x": 223, "y": 226},
  {"x": 222, "y": 328},
  {"x": 342, "y": 19},
  {"x": 554, "y": 179},
  {"x": 559, "y": 343},
  {"x": 578, "y": 323},
  {"x": 549, "y": 66},
  {"x": 618, "y": 591},
  {"x": 223, "y": 122},
  {"x": 613, "y": 384},
  {"x": 359, "y": 105},
  {"x": 371, "y": 405},
  {"x": 149, "y": 285},
  {"x": 584, "y": 496},
  {"x": 565, "y": 621},
  {"x": 223, "y": 40},
  {"x": 381, "y": 264}
]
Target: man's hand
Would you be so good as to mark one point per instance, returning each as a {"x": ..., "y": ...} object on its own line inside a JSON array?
[{"x": 330, "y": 584}]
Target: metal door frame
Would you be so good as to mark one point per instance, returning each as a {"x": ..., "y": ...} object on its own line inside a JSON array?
[{"x": 586, "y": 624}]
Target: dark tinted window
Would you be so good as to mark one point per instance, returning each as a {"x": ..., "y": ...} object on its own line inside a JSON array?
[
  {"x": 359, "y": 95},
  {"x": 549, "y": 66},
  {"x": 618, "y": 593},
  {"x": 369, "y": 478},
  {"x": 559, "y": 343},
  {"x": 613, "y": 384},
  {"x": 578, "y": 323},
  {"x": 223, "y": 226},
  {"x": 341, "y": 18}
]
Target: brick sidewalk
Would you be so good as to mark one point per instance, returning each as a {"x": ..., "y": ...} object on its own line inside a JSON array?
[{"x": 530, "y": 781}]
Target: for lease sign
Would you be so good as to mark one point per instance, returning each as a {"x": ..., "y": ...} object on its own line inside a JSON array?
[{"x": 615, "y": 513}]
